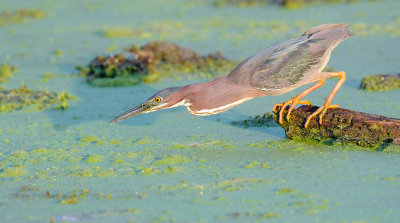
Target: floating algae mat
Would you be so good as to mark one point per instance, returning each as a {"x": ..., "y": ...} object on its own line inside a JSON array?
[
  {"x": 381, "y": 82},
  {"x": 26, "y": 98},
  {"x": 72, "y": 166},
  {"x": 31, "y": 100},
  {"x": 151, "y": 63},
  {"x": 6, "y": 72},
  {"x": 19, "y": 16}
]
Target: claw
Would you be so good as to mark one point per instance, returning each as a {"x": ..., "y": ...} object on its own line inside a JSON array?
[
  {"x": 305, "y": 102},
  {"x": 321, "y": 111},
  {"x": 275, "y": 106},
  {"x": 292, "y": 103}
]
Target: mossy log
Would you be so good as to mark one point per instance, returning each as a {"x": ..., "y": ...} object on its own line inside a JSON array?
[{"x": 343, "y": 126}]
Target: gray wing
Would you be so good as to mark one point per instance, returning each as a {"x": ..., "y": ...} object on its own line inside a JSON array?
[
  {"x": 280, "y": 66},
  {"x": 291, "y": 62},
  {"x": 286, "y": 66}
]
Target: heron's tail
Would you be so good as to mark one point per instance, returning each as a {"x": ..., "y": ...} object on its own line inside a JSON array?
[{"x": 329, "y": 31}]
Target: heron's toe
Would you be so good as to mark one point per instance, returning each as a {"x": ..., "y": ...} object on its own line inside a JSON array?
[{"x": 274, "y": 109}]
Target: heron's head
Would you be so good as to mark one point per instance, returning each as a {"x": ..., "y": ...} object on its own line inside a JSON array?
[{"x": 163, "y": 99}]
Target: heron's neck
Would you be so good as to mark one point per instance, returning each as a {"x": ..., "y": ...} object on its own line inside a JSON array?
[{"x": 216, "y": 96}]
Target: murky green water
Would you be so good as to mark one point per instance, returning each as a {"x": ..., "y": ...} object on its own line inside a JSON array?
[{"x": 170, "y": 166}]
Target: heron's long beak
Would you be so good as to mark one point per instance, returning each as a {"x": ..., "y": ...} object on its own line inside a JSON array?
[{"x": 145, "y": 107}]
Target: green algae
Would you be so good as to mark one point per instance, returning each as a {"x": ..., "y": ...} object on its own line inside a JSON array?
[
  {"x": 390, "y": 28},
  {"x": 264, "y": 120},
  {"x": 380, "y": 82},
  {"x": 105, "y": 172},
  {"x": 121, "y": 32},
  {"x": 6, "y": 72},
  {"x": 286, "y": 190},
  {"x": 252, "y": 164},
  {"x": 255, "y": 164},
  {"x": 92, "y": 139},
  {"x": 19, "y": 16},
  {"x": 47, "y": 77},
  {"x": 237, "y": 184},
  {"x": 79, "y": 171},
  {"x": 129, "y": 154},
  {"x": 172, "y": 159},
  {"x": 144, "y": 141},
  {"x": 93, "y": 158},
  {"x": 14, "y": 171},
  {"x": 27, "y": 99},
  {"x": 74, "y": 197},
  {"x": 269, "y": 215}
]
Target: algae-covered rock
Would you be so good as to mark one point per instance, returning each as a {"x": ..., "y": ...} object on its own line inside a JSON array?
[
  {"x": 342, "y": 126},
  {"x": 380, "y": 82},
  {"x": 26, "y": 98},
  {"x": 151, "y": 63}
]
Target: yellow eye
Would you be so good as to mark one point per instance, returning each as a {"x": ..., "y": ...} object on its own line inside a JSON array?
[{"x": 157, "y": 99}]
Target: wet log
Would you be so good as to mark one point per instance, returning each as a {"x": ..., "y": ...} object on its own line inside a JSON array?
[{"x": 344, "y": 126}]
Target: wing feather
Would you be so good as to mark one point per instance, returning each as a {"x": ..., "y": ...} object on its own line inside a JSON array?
[{"x": 285, "y": 66}]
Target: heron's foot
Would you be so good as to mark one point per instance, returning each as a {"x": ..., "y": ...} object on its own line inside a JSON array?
[
  {"x": 292, "y": 102},
  {"x": 321, "y": 111}
]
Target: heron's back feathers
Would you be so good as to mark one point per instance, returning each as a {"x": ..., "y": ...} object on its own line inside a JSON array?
[
  {"x": 291, "y": 63},
  {"x": 329, "y": 31}
]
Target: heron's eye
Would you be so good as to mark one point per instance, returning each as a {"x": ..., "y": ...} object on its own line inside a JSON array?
[{"x": 157, "y": 99}]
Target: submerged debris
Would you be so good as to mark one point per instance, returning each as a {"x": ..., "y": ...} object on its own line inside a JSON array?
[
  {"x": 151, "y": 63},
  {"x": 289, "y": 4},
  {"x": 24, "y": 97},
  {"x": 343, "y": 126},
  {"x": 6, "y": 72},
  {"x": 380, "y": 82},
  {"x": 265, "y": 120},
  {"x": 19, "y": 16}
]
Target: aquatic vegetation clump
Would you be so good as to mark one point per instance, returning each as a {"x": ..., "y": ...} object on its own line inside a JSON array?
[
  {"x": 74, "y": 197},
  {"x": 151, "y": 63},
  {"x": 24, "y": 97},
  {"x": 114, "y": 70},
  {"x": 380, "y": 82},
  {"x": 172, "y": 159},
  {"x": 264, "y": 120},
  {"x": 19, "y": 16},
  {"x": 169, "y": 59},
  {"x": 13, "y": 171},
  {"x": 6, "y": 72}
]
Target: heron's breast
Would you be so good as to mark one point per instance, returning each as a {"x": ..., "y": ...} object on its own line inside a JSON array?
[{"x": 205, "y": 111}]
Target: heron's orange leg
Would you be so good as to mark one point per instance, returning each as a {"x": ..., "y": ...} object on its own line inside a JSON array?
[
  {"x": 319, "y": 84},
  {"x": 296, "y": 100},
  {"x": 322, "y": 110}
]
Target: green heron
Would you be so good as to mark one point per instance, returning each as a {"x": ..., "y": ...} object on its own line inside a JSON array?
[{"x": 276, "y": 70}]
